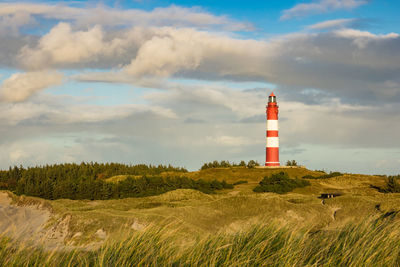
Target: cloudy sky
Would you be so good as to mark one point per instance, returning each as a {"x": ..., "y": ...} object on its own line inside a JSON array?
[{"x": 185, "y": 82}]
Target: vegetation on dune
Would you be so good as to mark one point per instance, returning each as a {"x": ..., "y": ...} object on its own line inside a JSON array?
[
  {"x": 280, "y": 183},
  {"x": 227, "y": 164},
  {"x": 324, "y": 176},
  {"x": 370, "y": 243},
  {"x": 88, "y": 181},
  {"x": 204, "y": 230},
  {"x": 240, "y": 182},
  {"x": 9, "y": 178},
  {"x": 392, "y": 185},
  {"x": 94, "y": 189}
]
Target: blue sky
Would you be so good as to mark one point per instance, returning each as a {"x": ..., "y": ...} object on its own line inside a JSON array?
[{"x": 185, "y": 82}]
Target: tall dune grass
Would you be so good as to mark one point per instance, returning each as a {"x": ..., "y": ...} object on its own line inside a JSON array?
[{"x": 375, "y": 242}]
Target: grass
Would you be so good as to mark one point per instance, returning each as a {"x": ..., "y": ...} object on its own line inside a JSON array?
[
  {"x": 230, "y": 209},
  {"x": 373, "y": 242},
  {"x": 234, "y": 227},
  {"x": 324, "y": 175}
]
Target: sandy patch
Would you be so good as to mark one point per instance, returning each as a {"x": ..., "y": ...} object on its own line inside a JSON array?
[
  {"x": 101, "y": 234},
  {"x": 29, "y": 223},
  {"x": 21, "y": 222},
  {"x": 137, "y": 226}
]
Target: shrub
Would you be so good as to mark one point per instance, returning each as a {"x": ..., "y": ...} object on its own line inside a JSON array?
[
  {"x": 291, "y": 163},
  {"x": 251, "y": 164},
  {"x": 392, "y": 185},
  {"x": 280, "y": 183}
]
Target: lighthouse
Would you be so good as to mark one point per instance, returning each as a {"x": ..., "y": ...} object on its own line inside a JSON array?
[{"x": 272, "y": 148}]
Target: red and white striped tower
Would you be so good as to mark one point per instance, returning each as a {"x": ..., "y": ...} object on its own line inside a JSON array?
[{"x": 272, "y": 149}]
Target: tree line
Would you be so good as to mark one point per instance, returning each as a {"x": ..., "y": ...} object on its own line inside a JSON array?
[
  {"x": 10, "y": 178},
  {"x": 227, "y": 164},
  {"x": 88, "y": 181},
  {"x": 98, "y": 189}
]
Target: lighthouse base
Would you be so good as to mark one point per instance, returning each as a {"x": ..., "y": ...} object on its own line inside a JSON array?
[
  {"x": 272, "y": 164},
  {"x": 279, "y": 167}
]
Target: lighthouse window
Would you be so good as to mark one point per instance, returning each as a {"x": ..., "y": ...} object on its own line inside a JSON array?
[{"x": 272, "y": 99}]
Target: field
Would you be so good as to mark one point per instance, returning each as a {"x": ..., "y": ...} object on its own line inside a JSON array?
[{"x": 232, "y": 227}]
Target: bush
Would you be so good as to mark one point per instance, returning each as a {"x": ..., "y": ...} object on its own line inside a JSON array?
[
  {"x": 392, "y": 185},
  {"x": 291, "y": 163},
  {"x": 251, "y": 164},
  {"x": 280, "y": 183}
]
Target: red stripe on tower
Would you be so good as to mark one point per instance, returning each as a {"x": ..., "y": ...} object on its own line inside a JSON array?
[{"x": 272, "y": 148}]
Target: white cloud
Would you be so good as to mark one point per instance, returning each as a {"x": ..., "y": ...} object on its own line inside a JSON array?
[
  {"x": 362, "y": 38},
  {"x": 353, "y": 34},
  {"x": 13, "y": 114},
  {"x": 327, "y": 61},
  {"x": 320, "y": 6},
  {"x": 168, "y": 52},
  {"x": 240, "y": 103},
  {"x": 336, "y": 23},
  {"x": 140, "y": 51},
  {"x": 62, "y": 46},
  {"x": 102, "y": 15},
  {"x": 20, "y": 86}
]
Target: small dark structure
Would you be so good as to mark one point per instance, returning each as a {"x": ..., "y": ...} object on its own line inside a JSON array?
[{"x": 330, "y": 195}]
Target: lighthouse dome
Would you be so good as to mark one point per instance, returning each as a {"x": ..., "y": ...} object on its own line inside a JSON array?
[{"x": 272, "y": 98}]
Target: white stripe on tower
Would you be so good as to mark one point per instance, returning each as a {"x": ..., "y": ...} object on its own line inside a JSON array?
[
  {"x": 272, "y": 125},
  {"x": 272, "y": 141}
]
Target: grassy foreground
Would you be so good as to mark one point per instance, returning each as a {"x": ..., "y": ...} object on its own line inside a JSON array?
[{"x": 374, "y": 242}]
